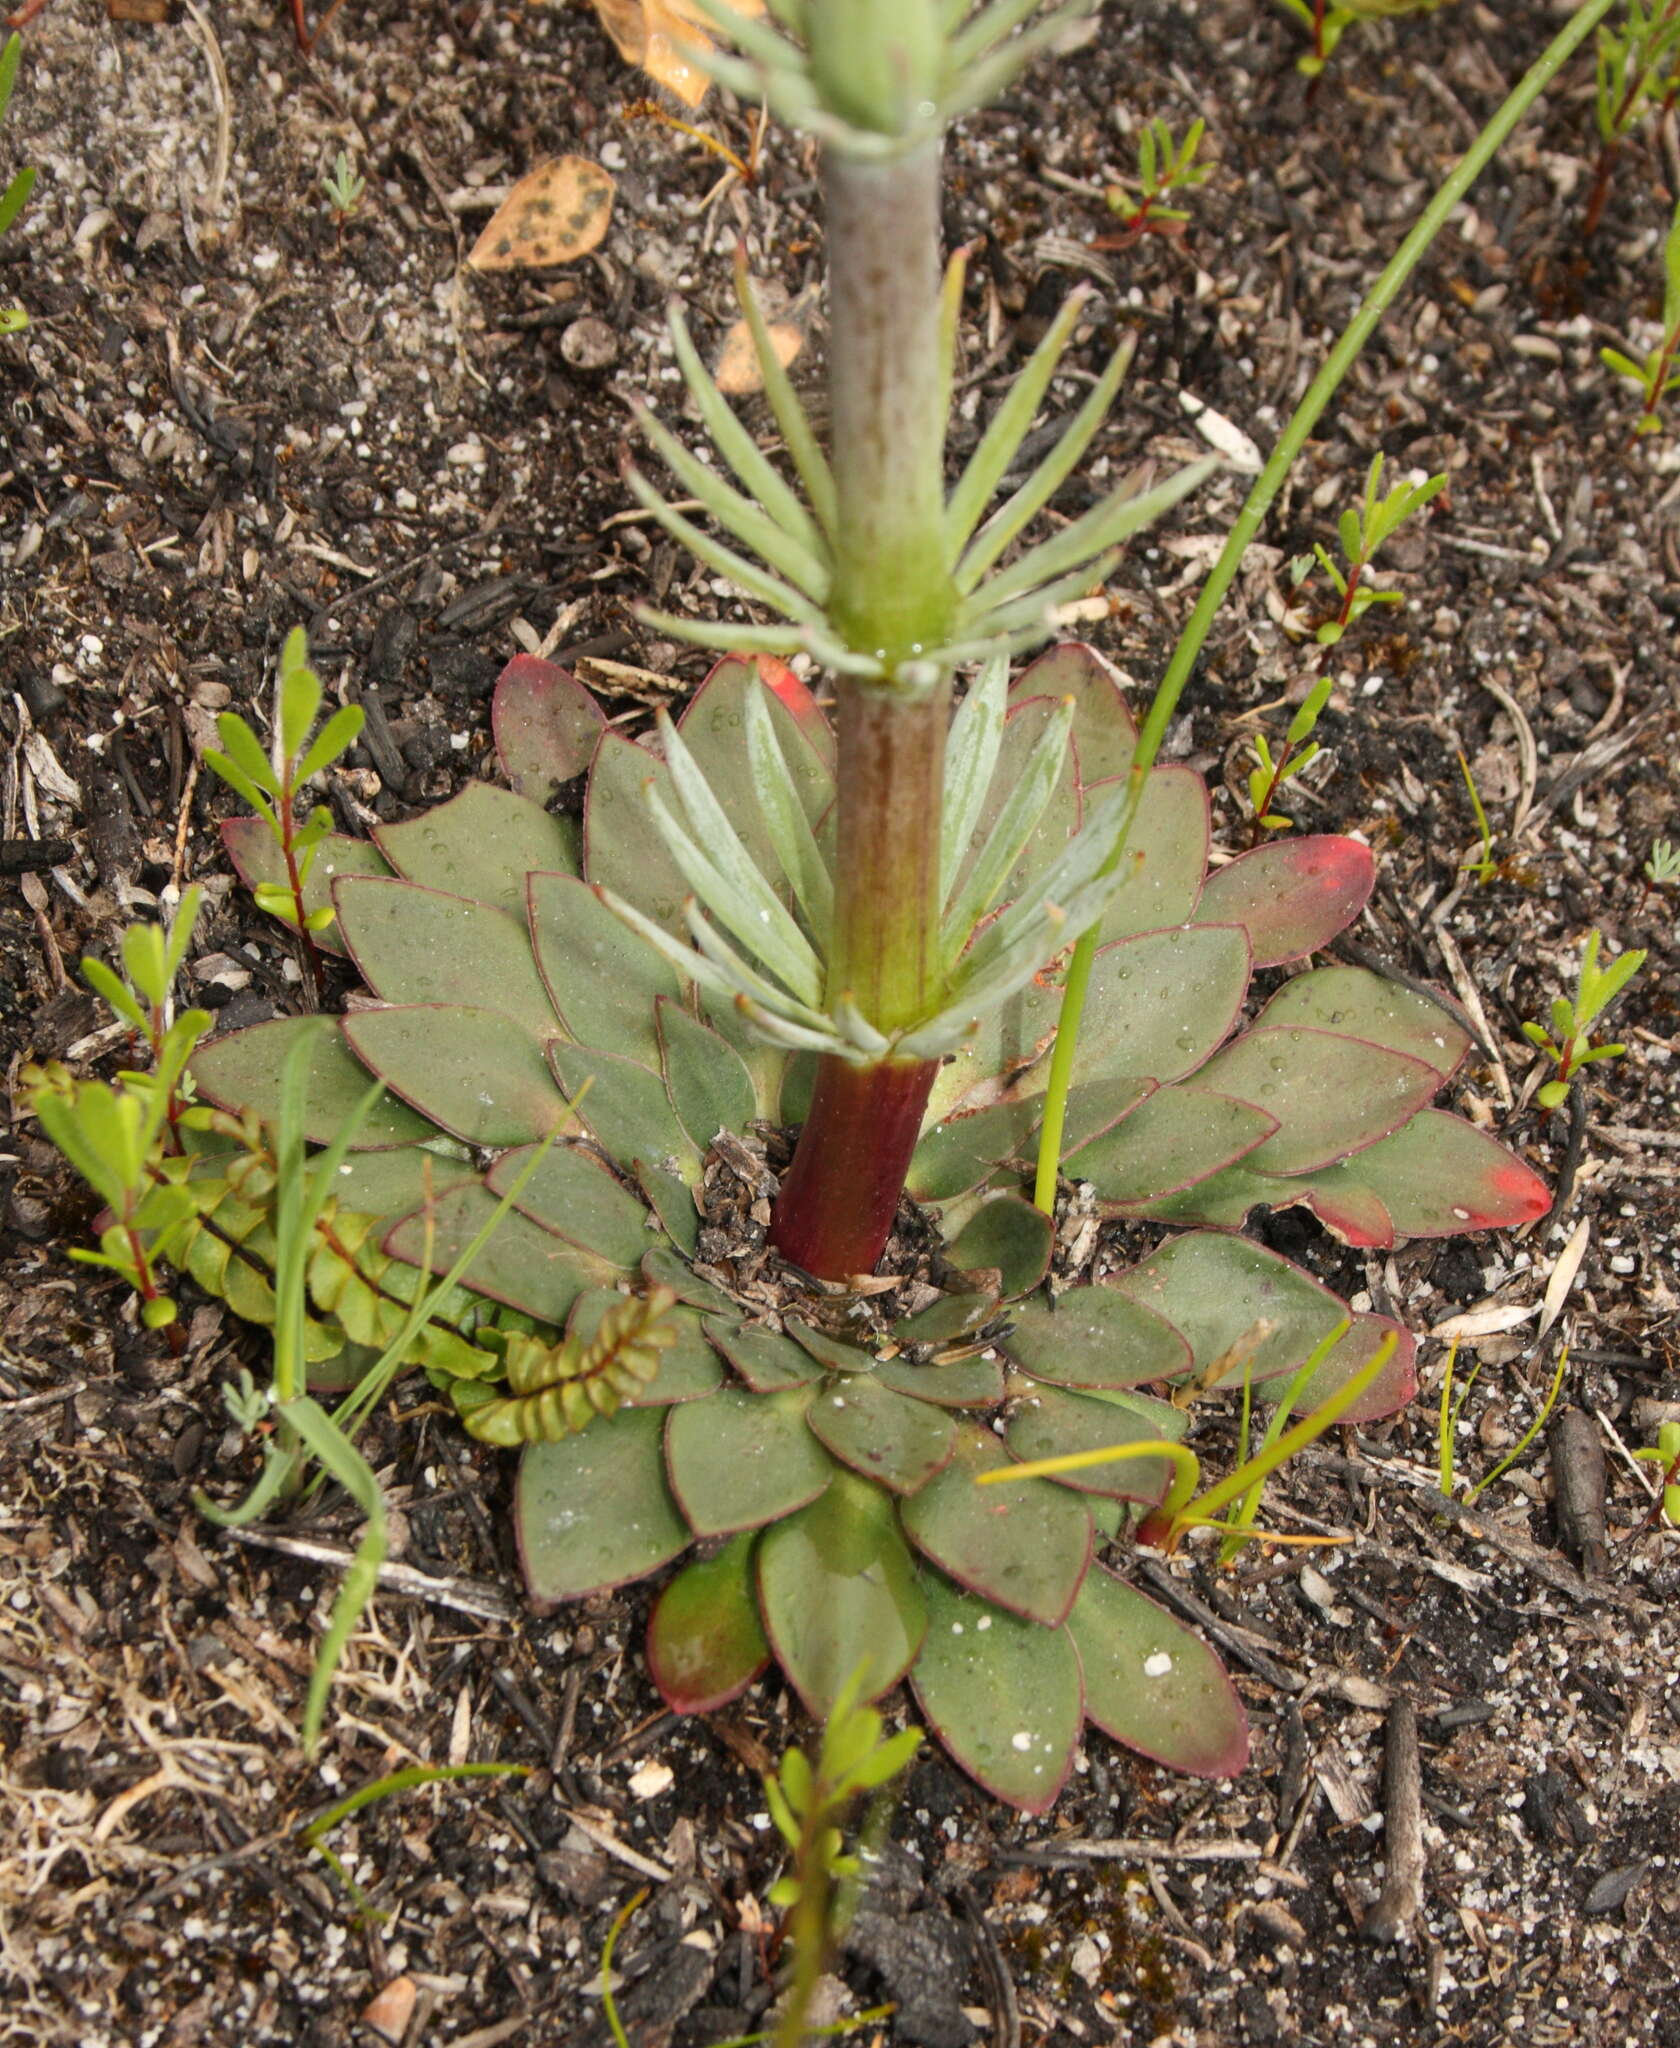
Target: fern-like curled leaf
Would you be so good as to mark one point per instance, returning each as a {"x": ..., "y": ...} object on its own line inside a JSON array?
[{"x": 556, "y": 1390}]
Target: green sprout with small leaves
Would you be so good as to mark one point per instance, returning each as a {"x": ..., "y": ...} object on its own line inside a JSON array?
[
  {"x": 271, "y": 784},
  {"x": 1660, "y": 869},
  {"x": 1362, "y": 529},
  {"x": 1638, "y": 69},
  {"x": 123, "y": 1139},
  {"x": 1568, "y": 1042},
  {"x": 1666, "y": 1453},
  {"x": 13, "y": 319},
  {"x": 345, "y": 188},
  {"x": 809, "y": 1803},
  {"x": 1659, "y": 373},
  {"x": 1299, "y": 751},
  {"x": 1327, "y": 21},
  {"x": 1163, "y": 167}
]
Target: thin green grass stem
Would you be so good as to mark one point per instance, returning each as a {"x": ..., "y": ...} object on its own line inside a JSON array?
[
  {"x": 1266, "y": 486},
  {"x": 1528, "y": 1435}
]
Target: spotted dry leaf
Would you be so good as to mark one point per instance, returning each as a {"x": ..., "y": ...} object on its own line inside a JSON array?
[
  {"x": 555, "y": 214},
  {"x": 651, "y": 33},
  {"x": 737, "y": 372}
]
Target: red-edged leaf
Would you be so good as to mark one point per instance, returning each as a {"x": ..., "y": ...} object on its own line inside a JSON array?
[
  {"x": 1153, "y": 1684},
  {"x": 546, "y": 725},
  {"x": 1360, "y": 1004},
  {"x": 837, "y": 1590},
  {"x": 1165, "y": 858},
  {"x": 1024, "y": 1547},
  {"x": 477, "y": 1074},
  {"x": 1104, "y": 735},
  {"x": 593, "y": 1511},
  {"x": 1293, "y": 895},
  {"x": 1437, "y": 1176},
  {"x": 1331, "y": 1095},
  {"x": 1161, "y": 1002},
  {"x": 1002, "y": 1694},
  {"x": 1218, "y": 1290},
  {"x": 418, "y": 945},
  {"x": 242, "y": 1071},
  {"x": 482, "y": 843},
  {"x": 705, "y": 1642},
  {"x": 1174, "y": 1139}
]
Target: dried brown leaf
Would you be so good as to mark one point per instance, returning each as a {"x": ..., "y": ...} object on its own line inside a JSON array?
[
  {"x": 651, "y": 33},
  {"x": 737, "y": 370},
  {"x": 555, "y": 214}
]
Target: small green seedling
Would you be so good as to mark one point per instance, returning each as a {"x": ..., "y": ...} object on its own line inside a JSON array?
[
  {"x": 1452, "y": 1407},
  {"x": 271, "y": 783},
  {"x": 123, "y": 1139},
  {"x": 809, "y": 1804},
  {"x": 1327, "y": 21},
  {"x": 1638, "y": 68},
  {"x": 345, "y": 188},
  {"x": 1362, "y": 529},
  {"x": 314, "y": 1833},
  {"x": 1662, "y": 868},
  {"x": 1666, "y": 1507},
  {"x": 1299, "y": 749},
  {"x": 1485, "y": 868},
  {"x": 1659, "y": 373},
  {"x": 13, "y": 319},
  {"x": 1567, "y": 1042},
  {"x": 1163, "y": 167},
  {"x": 1183, "y": 1508}
]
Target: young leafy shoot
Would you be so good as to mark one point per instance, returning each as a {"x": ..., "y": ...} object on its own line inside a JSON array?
[
  {"x": 1568, "y": 1043},
  {"x": 1659, "y": 373},
  {"x": 1660, "y": 869},
  {"x": 1638, "y": 68},
  {"x": 809, "y": 1803},
  {"x": 1299, "y": 750},
  {"x": 1327, "y": 21},
  {"x": 1163, "y": 167},
  {"x": 13, "y": 319},
  {"x": 271, "y": 783},
  {"x": 1362, "y": 529},
  {"x": 125, "y": 1140}
]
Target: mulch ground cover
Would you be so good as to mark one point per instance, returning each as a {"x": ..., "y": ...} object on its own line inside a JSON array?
[{"x": 231, "y": 415}]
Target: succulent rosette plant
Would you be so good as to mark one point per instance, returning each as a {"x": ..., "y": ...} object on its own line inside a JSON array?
[
  {"x": 749, "y": 1058},
  {"x": 818, "y": 1455}
]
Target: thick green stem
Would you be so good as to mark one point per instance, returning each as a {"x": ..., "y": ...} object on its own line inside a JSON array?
[
  {"x": 890, "y": 775},
  {"x": 1266, "y": 487},
  {"x": 887, "y": 380}
]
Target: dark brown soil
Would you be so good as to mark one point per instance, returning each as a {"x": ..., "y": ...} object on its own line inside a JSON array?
[{"x": 227, "y": 419}]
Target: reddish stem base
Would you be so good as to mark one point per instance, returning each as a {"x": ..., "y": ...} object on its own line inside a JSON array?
[{"x": 838, "y": 1199}]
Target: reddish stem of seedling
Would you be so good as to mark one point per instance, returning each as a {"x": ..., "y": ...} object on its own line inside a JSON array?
[
  {"x": 839, "y": 1197},
  {"x": 1671, "y": 1471},
  {"x": 294, "y": 881},
  {"x": 148, "y": 1288},
  {"x": 1257, "y": 831}
]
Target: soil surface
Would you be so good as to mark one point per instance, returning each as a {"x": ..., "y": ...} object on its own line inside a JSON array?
[{"x": 230, "y": 416}]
